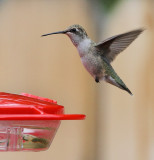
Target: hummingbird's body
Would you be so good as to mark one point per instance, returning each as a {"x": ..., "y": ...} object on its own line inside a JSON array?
[{"x": 96, "y": 57}]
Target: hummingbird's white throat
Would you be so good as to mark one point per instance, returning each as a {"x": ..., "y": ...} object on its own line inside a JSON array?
[
  {"x": 84, "y": 46},
  {"x": 76, "y": 39}
]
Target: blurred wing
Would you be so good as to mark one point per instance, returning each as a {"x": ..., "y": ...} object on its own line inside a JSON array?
[{"x": 111, "y": 47}]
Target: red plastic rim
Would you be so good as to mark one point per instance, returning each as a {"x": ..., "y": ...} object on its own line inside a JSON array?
[{"x": 30, "y": 107}]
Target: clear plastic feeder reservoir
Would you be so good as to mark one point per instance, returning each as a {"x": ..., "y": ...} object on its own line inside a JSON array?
[{"x": 29, "y": 123}]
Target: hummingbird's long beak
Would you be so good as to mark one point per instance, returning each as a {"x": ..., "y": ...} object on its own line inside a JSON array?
[{"x": 59, "y": 32}]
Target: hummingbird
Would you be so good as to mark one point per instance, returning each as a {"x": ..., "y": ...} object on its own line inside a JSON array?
[{"x": 97, "y": 57}]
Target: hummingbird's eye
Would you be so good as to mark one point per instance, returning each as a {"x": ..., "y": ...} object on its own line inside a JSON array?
[{"x": 73, "y": 30}]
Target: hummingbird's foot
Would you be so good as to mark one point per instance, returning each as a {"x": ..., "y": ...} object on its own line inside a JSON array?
[{"x": 96, "y": 80}]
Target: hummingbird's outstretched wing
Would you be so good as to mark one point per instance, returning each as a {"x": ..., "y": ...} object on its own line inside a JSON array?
[{"x": 112, "y": 46}]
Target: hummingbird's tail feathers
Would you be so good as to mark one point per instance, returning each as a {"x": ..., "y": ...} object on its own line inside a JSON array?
[
  {"x": 125, "y": 88},
  {"x": 117, "y": 82},
  {"x": 113, "y": 78}
]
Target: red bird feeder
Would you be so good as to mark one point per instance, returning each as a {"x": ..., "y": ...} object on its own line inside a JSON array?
[{"x": 28, "y": 122}]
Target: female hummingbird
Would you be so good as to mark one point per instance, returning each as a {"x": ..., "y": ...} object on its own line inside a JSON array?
[{"x": 96, "y": 57}]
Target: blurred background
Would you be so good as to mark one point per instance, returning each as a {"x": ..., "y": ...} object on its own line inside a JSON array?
[{"x": 118, "y": 126}]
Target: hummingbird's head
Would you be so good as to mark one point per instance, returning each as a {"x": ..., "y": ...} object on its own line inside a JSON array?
[{"x": 75, "y": 32}]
